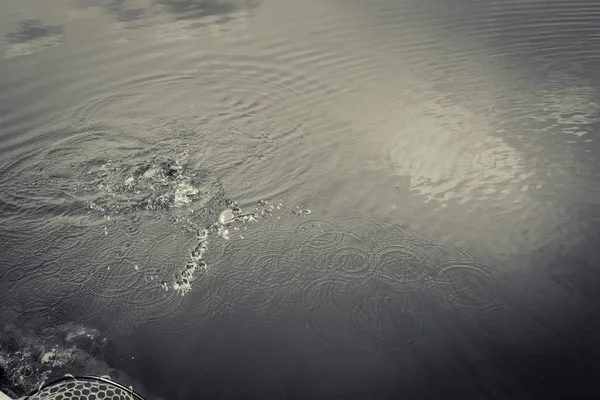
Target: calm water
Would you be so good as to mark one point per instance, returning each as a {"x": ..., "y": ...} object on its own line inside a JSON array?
[{"x": 447, "y": 152}]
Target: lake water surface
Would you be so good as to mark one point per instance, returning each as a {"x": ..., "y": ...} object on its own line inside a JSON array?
[{"x": 420, "y": 182}]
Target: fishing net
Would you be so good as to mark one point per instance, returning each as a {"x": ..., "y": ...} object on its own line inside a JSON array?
[{"x": 84, "y": 388}]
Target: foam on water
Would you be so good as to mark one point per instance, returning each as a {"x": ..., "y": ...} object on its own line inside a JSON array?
[
  {"x": 232, "y": 219},
  {"x": 29, "y": 359}
]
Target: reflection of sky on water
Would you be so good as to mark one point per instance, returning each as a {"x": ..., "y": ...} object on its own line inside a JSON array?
[
  {"x": 574, "y": 108},
  {"x": 41, "y": 24},
  {"x": 30, "y": 26},
  {"x": 128, "y": 10},
  {"x": 31, "y": 30},
  {"x": 199, "y": 8},
  {"x": 136, "y": 10},
  {"x": 499, "y": 141},
  {"x": 32, "y": 37},
  {"x": 497, "y": 149},
  {"x": 449, "y": 153},
  {"x": 521, "y": 168},
  {"x": 135, "y": 13},
  {"x": 177, "y": 20}
]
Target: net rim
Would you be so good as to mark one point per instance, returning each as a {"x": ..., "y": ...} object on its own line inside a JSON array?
[{"x": 88, "y": 378}]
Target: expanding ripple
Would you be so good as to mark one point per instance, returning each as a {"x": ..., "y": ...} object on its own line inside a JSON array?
[
  {"x": 404, "y": 265},
  {"x": 247, "y": 126},
  {"x": 147, "y": 303},
  {"x": 320, "y": 238},
  {"x": 248, "y": 87},
  {"x": 472, "y": 286},
  {"x": 244, "y": 297},
  {"x": 352, "y": 263}
]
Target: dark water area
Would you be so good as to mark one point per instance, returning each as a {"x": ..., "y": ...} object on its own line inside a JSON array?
[{"x": 418, "y": 185}]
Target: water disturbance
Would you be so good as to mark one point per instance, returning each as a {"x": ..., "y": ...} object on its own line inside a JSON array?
[{"x": 308, "y": 200}]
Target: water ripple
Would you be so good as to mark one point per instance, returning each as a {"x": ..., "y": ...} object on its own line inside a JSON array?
[
  {"x": 147, "y": 303},
  {"x": 471, "y": 286},
  {"x": 14, "y": 274},
  {"x": 244, "y": 297},
  {"x": 403, "y": 265},
  {"x": 352, "y": 263}
]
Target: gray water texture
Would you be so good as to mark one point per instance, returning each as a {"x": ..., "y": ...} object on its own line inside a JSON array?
[{"x": 239, "y": 199}]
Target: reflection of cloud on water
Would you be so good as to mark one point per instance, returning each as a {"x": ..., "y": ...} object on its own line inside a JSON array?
[
  {"x": 124, "y": 10},
  {"x": 32, "y": 37},
  {"x": 177, "y": 20},
  {"x": 573, "y": 107},
  {"x": 131, "y": 10},
  {"x": 140, "y": 10},
  {"x": 447, "y": 152},
  {"x": 507, "y": 166},
  {"x": 215, "y": 25},
  {"x": 202, "y": 8},
  {"x": 31, "y": 30}
]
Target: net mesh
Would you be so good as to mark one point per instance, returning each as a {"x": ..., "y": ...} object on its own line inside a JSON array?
[{"x": 84, "y": 388}]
